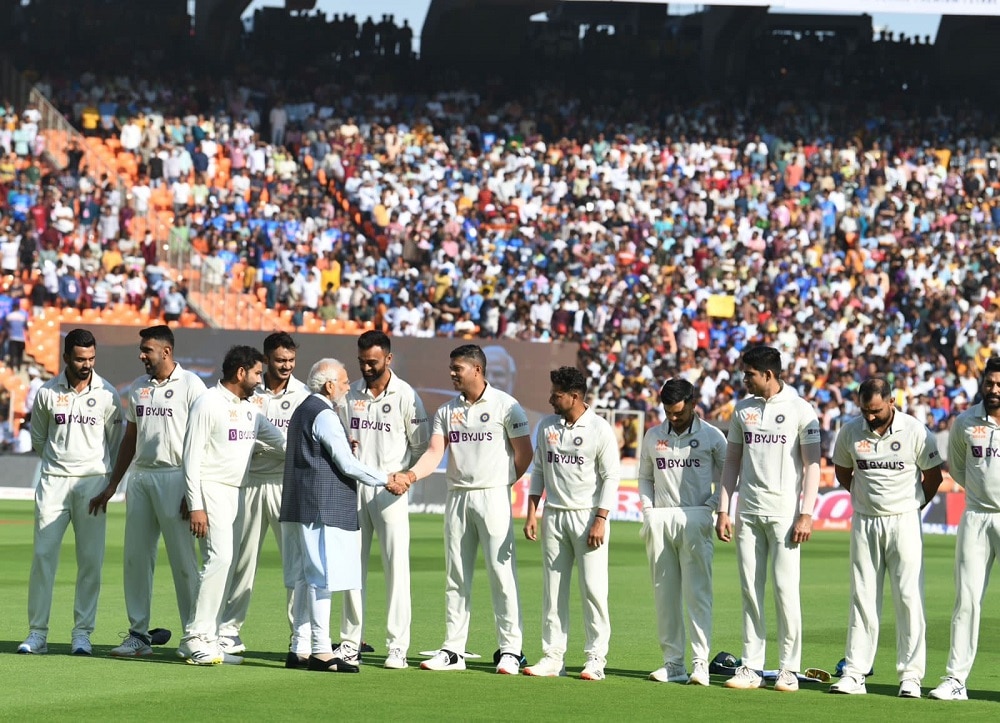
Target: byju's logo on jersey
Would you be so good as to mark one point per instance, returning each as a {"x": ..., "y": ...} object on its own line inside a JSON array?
[
  {"x": 456, "y": 437},
  {"x": 979, "y": 451},
  {"x": 237, "y": 434},
  {"x": 757, "y": 438},
  {"x": 60, "y": 419},
  {"x": 670, "y": 463}
]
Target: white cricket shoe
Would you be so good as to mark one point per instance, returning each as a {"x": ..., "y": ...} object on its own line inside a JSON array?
[
  {"x": 949, "y": 689},
  {"x": 132, "y": 647},
  {"x": 787, "y": 682},
  {"x": 745, "y": 679},
  {"x": 213, "y": 657},
  {"x": 444, "y": 660},
  {"x": 81, "y": 645},
  {"x": 348, "y": 653},
  {"x": 232, "y": 644},
  {"x": 546, "y": 668},
  {"x": 396, "y": 659},
  {"x": 508, "y": 665},
  {"x": 594, "y": 669},
  {"x": 850, "y": 685},
  {"x": 699, "y": 674},
  {"x": 909, "y": 688},
  {"x": 670, "y": 673},
  {"x": 34, "y": 644}
]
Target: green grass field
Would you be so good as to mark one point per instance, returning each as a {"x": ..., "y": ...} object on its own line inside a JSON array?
[{"x": 60, "y": 686}]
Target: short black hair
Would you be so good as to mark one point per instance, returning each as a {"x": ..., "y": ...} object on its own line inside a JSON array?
[
  {"x": 79, "y": 337},
  {"x": 874, "y": 387},
  {"x": 763, "y": 359},
  {"x": 992, "y": 366},
  {"x": 472, "y": 352},
  {"x": 279, "y": 340},
  {"x": 373, "y": 338},
  {"x": 569, "y": 379},
  {"x": 676, "y": 390},
  {"x": 161, "y": 333},
  {"x": 240, "y": 357}
]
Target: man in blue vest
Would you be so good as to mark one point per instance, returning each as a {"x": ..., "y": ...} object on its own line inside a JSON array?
[{"x": 319, "y": 515}]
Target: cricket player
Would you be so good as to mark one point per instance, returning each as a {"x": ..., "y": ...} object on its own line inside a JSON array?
[
  {"x": 889, "y": 461},
  {"x": 319, "y": 514},
  {"x": 486, "y": 432},
  {"x": 156, "y": 417},
  {"x": 973, "y": 445},
  {"x": 772, "y": 459},
  {"x": 576, "y": 467},
  {"x": 75, "y": 429},
  {"x": 390, "y": 428},
  {"x": 277, "y": 397},
  {"x": 680, "y": 471},
  {"x": 224, "y": 428}
]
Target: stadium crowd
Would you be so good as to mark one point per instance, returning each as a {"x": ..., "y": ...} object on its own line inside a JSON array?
[{"x": 662, "y": 238}]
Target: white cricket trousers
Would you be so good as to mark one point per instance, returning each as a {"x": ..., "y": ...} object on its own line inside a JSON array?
[
  {"x": 891, "y": 544},
  {"x": 475, "y": 518},
  {"x": 58, "y": 502},
  {"x": 153, "y": 507},
  {"x": 680, "y": 551},
  {"x": 760, "y": 541},
  {"x": 976, "y": 550},
  {"x": 564, "y": 546},
  {"x": 387, "y": 516},
  {"x": 260, "y": 509},
  {"x": 222, "y": 504}
]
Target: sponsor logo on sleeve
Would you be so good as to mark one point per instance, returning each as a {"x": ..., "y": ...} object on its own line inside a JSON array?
[
  {"x": 932, "y": 455},
  {"x": 520, "y": 425}
]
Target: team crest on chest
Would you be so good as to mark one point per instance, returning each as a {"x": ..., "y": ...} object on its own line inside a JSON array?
[
  {"x": 896, "y": 446},
  {"x": 285, "y": 405},
  {"x": 577, "y": 441},
  {"x": 694, "y": 444},
  {"x": 169, "y": 393},
  {"x": 780, "y": 418},
  {"x": 484, "y": 417},
  {"x": 386, "y": 408},
  {"x": 91, "y": 402}
]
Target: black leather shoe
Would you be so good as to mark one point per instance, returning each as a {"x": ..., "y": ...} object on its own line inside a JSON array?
[
  {"x": 293, "y": 661},
  {"x": 159, "y": 636},
  {"x": 335, "y": 665}
]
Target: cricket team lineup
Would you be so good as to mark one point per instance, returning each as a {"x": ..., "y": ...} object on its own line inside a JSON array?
[{"x": 326, "y": 465}]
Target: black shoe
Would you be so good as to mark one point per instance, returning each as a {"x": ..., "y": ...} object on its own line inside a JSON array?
[
  {"x": 159, "y": 636},
  {"x": 366, "y": 648},
  {"x": 294, "y": 660},
  {"x": 336, "y": 665}
]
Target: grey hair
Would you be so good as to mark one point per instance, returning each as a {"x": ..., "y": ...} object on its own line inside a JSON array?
[{"x": 323, "y": 371}]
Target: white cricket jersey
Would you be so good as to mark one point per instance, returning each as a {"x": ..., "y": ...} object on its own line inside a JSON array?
[
  {"x": 681, "y": 468},
  {"x": 278, "y": 409},
  {"x": 972, "y": 446},
  {"x": 159, "y": 411},
  {"x": 76, "y": 433},
  {"x": 771, "y": 433},
  {"x": 576, "y": 465},
  {"x": 392, "y": 429},
  {"x": 887, "y": 469},
  {"x": 222, "y": 432},
  {"x": 478, "y": 437}
]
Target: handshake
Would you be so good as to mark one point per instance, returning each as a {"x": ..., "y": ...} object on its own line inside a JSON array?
[{"x": 400, "y": 482}]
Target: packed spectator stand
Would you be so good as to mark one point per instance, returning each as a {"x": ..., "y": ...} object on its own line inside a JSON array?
[{"x": 662, "y": 236}]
